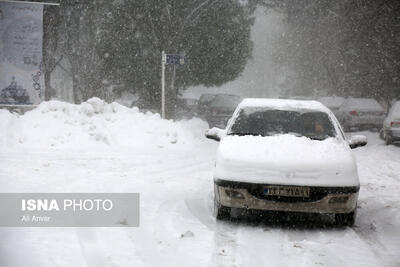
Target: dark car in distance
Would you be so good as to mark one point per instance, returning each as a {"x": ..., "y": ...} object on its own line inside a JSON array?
[{"x": 220, "y": 109}]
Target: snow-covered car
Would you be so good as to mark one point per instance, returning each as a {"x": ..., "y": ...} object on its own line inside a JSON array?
[
  {"x": 285, "y": 155},
  {"x": 301, "y": 97},
  {"x": 391, "y": 125},
  {"x": 221, "y": 108},
  {"x": 361, "y": 113},
  {"x": 333, "y": 103}
]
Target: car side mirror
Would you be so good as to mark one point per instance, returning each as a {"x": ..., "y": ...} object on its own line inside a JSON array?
[
  {"x": 357, "y": 141},
  {"x": 215, "y": 133}
]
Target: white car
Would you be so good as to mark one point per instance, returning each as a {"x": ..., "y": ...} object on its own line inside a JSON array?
[
  {"x": 391, "y": 125},
  {"x": 361, "y": 113},
  {"x": 285, "y": 155},
  {"x": 332, "y": 102}
]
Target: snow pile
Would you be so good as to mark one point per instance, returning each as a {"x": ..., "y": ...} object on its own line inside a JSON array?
[
  {"x": 285, "y": 159},
  {"x": 92, "y": 124},
  {"x": 286, "y": 148}
]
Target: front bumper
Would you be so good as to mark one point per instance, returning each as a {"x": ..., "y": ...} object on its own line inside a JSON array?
[{"x": 322, "y": 199}]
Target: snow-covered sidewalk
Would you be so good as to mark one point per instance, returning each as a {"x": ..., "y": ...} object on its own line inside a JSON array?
[{"x": 173, "y": 175}]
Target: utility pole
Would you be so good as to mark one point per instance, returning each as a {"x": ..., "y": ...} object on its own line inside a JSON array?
[{"x": 163, "y": 62}]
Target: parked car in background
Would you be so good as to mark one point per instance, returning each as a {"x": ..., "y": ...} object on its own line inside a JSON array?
[
  {"x": 361, "y": 114},
  {"x": 391, "y": 125},
  {"x": 285, "y": 155},
  {"x": 186, "y": 108},
  {"x": 203, "y": 104},
  {"x": 333, "y": 103},
  {"x": 300, "y": 97},
  {"x": 220, "y": 109}
]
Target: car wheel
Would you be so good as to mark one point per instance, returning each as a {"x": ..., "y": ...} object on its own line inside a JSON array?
[
  {"x": 382, "y": 134},
  {"x": 345, "y": 219},
  {"x": 388, "y": 140},
  {"x": 221, "y": 212}
]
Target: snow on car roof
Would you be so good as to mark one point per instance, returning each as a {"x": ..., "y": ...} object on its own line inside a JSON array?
[
  {"x": 332, "y": 101},
  {"x": 367, "y": 104},
  {"x": 284, "y": 104}
]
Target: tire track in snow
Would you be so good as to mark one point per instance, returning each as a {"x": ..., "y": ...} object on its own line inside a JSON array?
[
  {"x": 343, "y": 246},
  {"x": 224, "y": 250},
  {"x": 188, "y": 167},
  {"x": 90, "y": 247},
  {"x": 225, "y": 245},
  {"x": 379, "y": 249},
  {"x": 161, "y": 243}
]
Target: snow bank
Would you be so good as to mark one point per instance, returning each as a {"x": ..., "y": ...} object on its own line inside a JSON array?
[{"x": 94, "y": 124}]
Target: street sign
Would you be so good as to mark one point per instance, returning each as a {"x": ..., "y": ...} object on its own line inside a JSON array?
[{"x": 175, "y": 59}]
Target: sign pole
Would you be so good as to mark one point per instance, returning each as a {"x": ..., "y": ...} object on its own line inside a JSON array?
[
  {"x": 163, "y": 61},
  {"x": 169, "y": 59}
]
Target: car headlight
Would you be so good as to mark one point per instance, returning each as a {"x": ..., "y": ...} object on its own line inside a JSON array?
[
  {"x": 341, "y": 199},
  {"x": 234, "y": 194}
]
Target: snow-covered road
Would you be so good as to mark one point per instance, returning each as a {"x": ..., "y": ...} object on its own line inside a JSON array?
[
  {"x": 177, "y": 226},
  {"x": 100, "y": 147}
]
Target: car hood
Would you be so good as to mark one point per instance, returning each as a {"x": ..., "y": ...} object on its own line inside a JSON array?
[{"x": 286, "y": 159}]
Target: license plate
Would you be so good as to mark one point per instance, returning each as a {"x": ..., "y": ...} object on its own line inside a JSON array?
[{"x": 287, "y": 191}]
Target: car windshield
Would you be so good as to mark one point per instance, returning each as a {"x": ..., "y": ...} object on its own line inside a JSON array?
[{"x": 314, "y": 125}]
